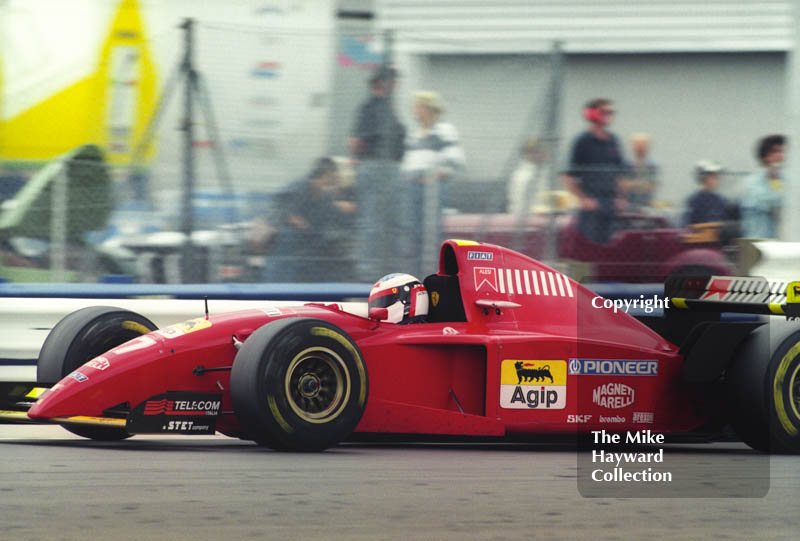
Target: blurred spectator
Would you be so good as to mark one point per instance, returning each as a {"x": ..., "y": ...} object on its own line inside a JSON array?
[
  {"x": 310, "y": 242},
  {"x": 641, "y": 173},
  {"x": 763, "y": 194},
  {"x": 527, "y": 179},
  {"x": 377, "y": 143},
  {"x": 706, "y": 205},
  {"x": 595, "y": 166},
  {"x": 433, "y": 157}
]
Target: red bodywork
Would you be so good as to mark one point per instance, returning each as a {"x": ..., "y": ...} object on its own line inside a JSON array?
[
  {"x": 644, "y": 249},
  {"x": 457, "y": 378}
]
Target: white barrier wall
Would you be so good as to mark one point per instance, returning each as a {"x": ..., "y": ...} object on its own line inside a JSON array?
[
  {"x": 776, "y": 260},
  {"x": 25, "y": 322}
]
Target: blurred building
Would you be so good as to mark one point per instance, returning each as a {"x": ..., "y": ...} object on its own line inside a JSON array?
[{"x": 703, "y": 78}]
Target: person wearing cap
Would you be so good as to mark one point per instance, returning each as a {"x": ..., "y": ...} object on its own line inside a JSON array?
[
  {"x": 433, "y": 156},
  {"x": 595, "y": 167},
  {"x": 377, "y": 146},
  {"x": 706, "y": 205},
  {"x": 377, "y": 133},
  {"x": 762, "y": 198}
]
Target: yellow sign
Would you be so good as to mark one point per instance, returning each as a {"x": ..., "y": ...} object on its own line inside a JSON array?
[
  {"x": 110, "y": 106},
  {"x": 522, "y": 372},
  {"x": 193, "y": 325},
  {"x": 793, "y": 292}
]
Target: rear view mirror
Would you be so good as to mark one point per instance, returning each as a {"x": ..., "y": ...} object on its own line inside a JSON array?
[{"x": 381, "y": 314}]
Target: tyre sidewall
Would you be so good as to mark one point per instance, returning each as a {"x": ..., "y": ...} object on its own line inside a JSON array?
[
  {"x": 784, "y": 372},
  {"x": 81, "y": 336},
  {"x": 85, "y": 334},
  {"x": 258, "y": 385},
  {"x": 746, "y": 379}
]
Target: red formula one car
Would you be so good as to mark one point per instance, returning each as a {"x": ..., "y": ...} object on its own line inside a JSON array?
[{"x": 511, "y": 348}]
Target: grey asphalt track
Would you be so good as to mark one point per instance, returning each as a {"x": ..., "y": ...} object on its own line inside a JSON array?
[{"x": 57, "y": 486}]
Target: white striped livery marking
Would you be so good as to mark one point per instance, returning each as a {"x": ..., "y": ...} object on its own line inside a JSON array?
[{"x": 521, "y": 282}]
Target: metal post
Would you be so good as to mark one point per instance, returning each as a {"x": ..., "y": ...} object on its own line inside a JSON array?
[
  {"x": 790, "y": 215},
  {"x": 551, "y": 136},
  {"x": 385, "y": 148},
  {"x": 58, "y": 225},
  {"x": 187, "y": 226}
]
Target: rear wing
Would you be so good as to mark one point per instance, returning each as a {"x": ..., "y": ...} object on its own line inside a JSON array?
[{"x": 749, "y": 295}]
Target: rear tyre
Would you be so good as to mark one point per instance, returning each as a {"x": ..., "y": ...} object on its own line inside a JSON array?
[
  {"x": 81, "y": 336},
  {"x": 763, "y": 387},
  {"x": 299, "y": 384}
]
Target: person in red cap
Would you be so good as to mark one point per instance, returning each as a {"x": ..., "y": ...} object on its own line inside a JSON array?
[{"x": 595, "y": 167}]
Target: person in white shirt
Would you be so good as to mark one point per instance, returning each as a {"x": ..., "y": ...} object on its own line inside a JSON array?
[
  {"x": 433, "y": 157},
  {"x": 528, "y": 179}
]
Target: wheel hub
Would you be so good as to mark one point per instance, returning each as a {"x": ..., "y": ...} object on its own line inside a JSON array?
[
  {"x": 309, "y": 385},
  {"x": 317, "y": 384}
]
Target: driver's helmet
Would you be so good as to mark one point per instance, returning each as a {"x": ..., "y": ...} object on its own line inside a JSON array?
[{"x": 404, "y": 296}]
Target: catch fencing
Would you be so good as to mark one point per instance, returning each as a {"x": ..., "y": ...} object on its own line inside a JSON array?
[{"x": 227, "y": 182}]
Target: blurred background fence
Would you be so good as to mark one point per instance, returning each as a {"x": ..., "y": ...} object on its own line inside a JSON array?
[{"x": 310, "y": 141}]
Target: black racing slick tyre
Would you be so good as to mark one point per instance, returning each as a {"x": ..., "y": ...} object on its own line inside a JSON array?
[
  {"x": 80, "y": 337},
  {"x": 299, "y": 384},
  {"x": 763, "y": 386}
]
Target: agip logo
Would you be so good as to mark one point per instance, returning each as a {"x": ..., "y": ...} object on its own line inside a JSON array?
[{"x": 528, "y": 384}]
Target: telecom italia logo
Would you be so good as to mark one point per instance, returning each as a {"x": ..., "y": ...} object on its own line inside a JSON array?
[{"x": 613, "y": 367}]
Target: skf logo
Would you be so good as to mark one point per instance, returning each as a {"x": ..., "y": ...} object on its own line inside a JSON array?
[
  {"x": 480, "y": 256},
  {"x": 526, "y": 384},
  {"x": 578, "y": 419},
  {"x": 613, "y": 395}
]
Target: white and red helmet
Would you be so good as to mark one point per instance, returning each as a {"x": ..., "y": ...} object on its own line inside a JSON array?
[{"x": 403, "y": 295}]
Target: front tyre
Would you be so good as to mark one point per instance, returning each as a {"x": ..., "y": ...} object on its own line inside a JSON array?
[
  {"x": 80, "y": 337},
  {"x": 299, "y": 384}
]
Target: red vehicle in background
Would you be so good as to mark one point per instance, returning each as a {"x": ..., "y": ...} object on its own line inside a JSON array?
[{"x": 644, "y": 249}]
